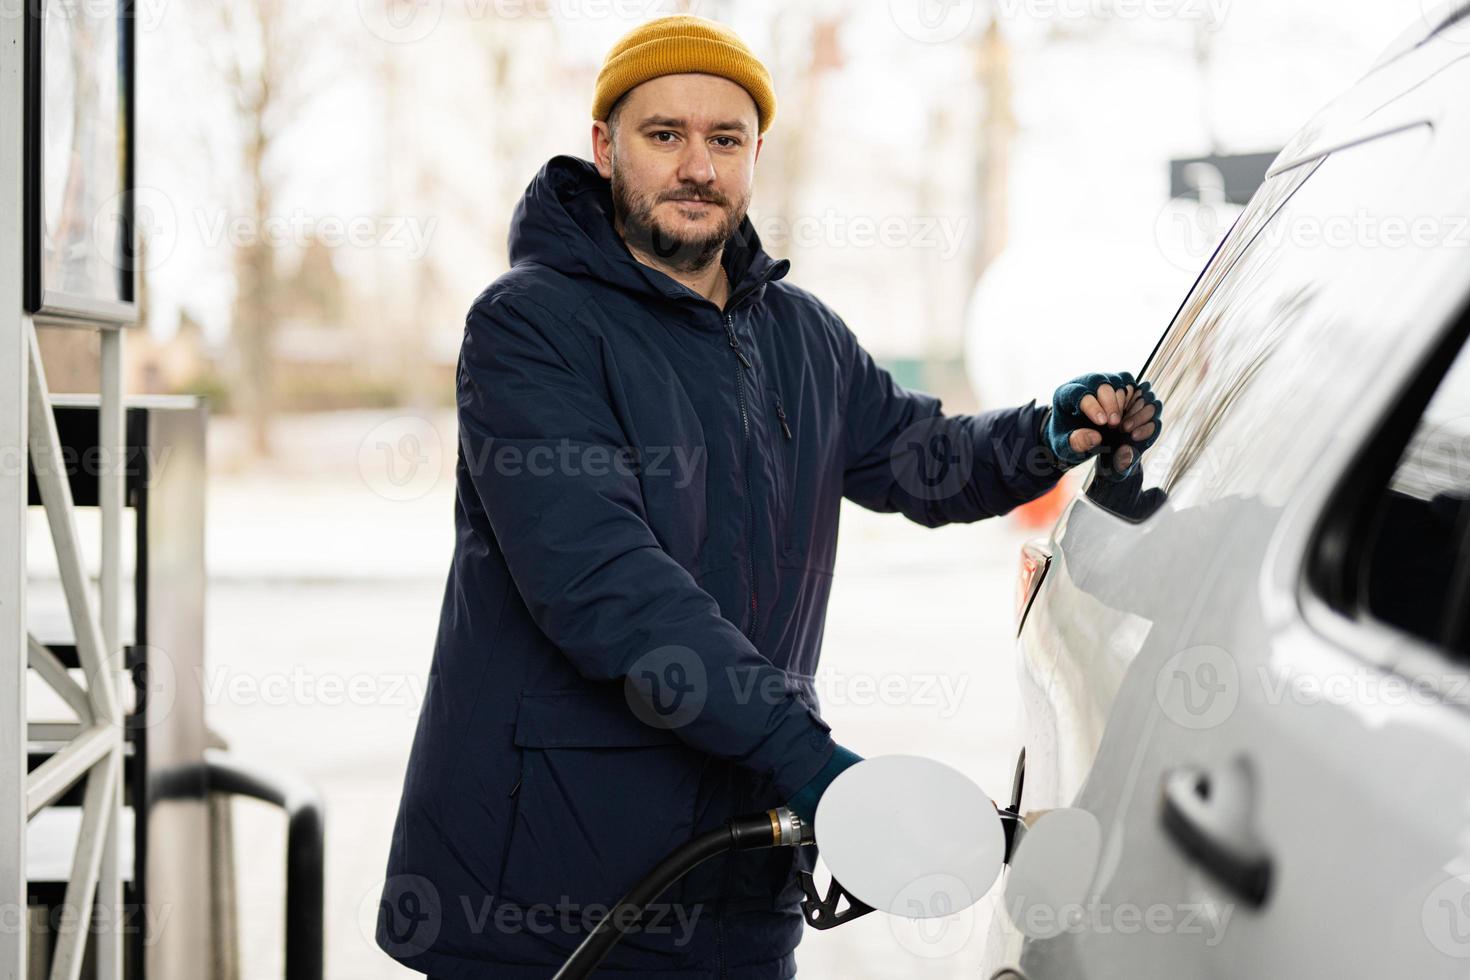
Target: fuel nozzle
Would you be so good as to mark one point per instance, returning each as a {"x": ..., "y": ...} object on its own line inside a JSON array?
[
  {"x": 777, "y": 827},
  {"x": 790, "y": 829}
]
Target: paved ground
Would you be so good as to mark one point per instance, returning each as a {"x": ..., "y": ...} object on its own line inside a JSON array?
[{"x": 325, "y": 584}]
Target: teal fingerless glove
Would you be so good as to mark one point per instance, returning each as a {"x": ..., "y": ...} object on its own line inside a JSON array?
[
  {"x": 1066, "y": 417},
  {"x": 804, "y": 802}
]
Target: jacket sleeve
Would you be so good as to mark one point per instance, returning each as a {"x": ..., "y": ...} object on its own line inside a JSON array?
[
  {"x": 904, "y": 454},
  {"x": 543, "y": 444}
]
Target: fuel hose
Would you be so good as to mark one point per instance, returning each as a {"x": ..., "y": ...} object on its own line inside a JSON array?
[{"x": 778, "y": 827}]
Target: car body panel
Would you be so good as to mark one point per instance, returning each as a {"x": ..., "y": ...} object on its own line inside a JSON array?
[{"x": 1178, "y": 633}]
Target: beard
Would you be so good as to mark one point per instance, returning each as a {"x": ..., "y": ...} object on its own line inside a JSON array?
[{"x": 642, "y": 230}]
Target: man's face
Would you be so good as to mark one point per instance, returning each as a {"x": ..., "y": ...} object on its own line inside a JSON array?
[{"x": 681, "y": 167}]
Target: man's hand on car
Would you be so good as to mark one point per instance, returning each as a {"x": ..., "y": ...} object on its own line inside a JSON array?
[{"x": 1102, "y": 411}]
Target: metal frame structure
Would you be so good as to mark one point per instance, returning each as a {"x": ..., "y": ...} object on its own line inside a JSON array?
[{"x": 95, "y": 754}]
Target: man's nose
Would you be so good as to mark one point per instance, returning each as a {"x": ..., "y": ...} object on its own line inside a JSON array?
[{"x": 696, "y": 164}]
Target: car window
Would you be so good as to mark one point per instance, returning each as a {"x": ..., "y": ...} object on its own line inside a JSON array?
[
  {"x": 1411, "y": 573},
  {"x": 1199, "y": 347},
  {"x": 1314, "y": 282}
]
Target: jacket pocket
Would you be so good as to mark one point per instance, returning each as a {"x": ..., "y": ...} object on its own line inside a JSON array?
[
  {"x": 783, "y": 464},
  {"x": 602, "y": 798}
]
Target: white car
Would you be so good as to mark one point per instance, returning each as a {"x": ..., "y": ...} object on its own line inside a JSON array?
[{"x": 1246, "y": 672}]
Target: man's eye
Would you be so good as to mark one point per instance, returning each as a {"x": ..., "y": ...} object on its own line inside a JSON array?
[
  {"x": 663, "y": 132},
  {"x": 730, "y": 142}
]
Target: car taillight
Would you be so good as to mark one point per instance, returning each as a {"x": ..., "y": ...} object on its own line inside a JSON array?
[{"x": 1034, "y": 561}]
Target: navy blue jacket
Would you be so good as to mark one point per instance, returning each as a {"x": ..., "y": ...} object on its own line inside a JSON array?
[{"x": 646, "y": 521}]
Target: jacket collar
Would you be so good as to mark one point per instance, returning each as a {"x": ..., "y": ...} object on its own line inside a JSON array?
[{"x": 564, "y": 221}]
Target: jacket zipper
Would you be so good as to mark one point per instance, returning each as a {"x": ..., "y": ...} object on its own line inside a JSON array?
[
  {"x": 743, "y": 364},
  {"x": 741, "y": 367},
  {"x": 720, "y": 945},
  {"x": 789, "y": 495},
  {"x": 781, "y": 414}
]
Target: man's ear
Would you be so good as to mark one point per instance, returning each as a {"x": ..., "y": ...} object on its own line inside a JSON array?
[
  {"x": 602, "y": 148},
  {"x": 759, "y": 142}
]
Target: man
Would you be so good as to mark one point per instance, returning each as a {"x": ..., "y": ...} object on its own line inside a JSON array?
[{"x": 656, "y": 432}]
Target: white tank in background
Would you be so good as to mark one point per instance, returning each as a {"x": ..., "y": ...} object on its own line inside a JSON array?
[{"x": 1046, "y": 311}]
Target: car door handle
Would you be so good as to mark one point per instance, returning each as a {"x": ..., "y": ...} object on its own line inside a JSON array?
[{"x": 1208, "y": 814}]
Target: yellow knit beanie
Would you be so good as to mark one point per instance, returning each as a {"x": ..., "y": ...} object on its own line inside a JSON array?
[{"x": 682, "y": 43}]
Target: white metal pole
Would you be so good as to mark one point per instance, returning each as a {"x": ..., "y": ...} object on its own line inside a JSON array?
[
  {"x": 14, "y": 365},
  {"x": 110, "y": 503}
]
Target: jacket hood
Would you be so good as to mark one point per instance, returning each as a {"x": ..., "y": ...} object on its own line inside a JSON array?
[{"x": 564, "y": 221}]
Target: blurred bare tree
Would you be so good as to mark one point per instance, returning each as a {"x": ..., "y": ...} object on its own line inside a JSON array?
[
  {"x": 997, "y": 127},
  {"x": 315, "y": 289},
  {"x": 272, "y": 57},
  {"x": 803, "y": 70}
]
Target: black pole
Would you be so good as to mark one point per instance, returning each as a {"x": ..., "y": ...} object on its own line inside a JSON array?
[{"x": 305, "y": 855}]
